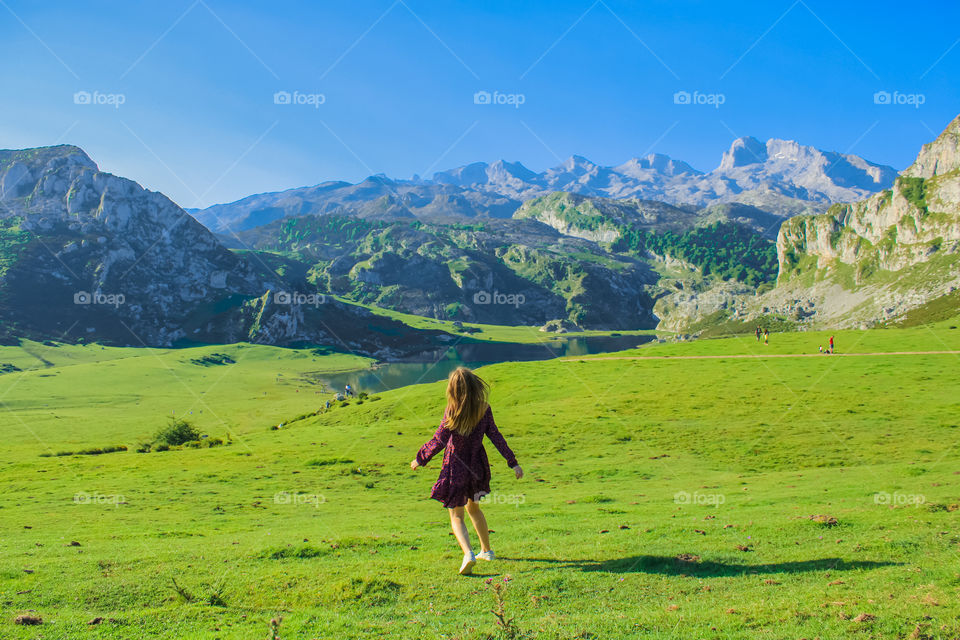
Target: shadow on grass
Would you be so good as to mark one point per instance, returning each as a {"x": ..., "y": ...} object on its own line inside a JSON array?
[{"x": 674, "y": 566}]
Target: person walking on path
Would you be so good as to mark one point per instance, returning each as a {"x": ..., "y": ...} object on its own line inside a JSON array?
[
  {"x": 831, "y": 344},
  {"x": 758, "y": 333},
  {"x": 465, "y": 473},
  {"x": 766, "y": 336}
]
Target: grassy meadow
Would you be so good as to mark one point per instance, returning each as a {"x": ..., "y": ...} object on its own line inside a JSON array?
[{"x": 669, "y": 497}]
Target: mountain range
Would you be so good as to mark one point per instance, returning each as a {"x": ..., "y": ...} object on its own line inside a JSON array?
[
  {"x": 779, "y": 177},
  {"x": 89, "y": 256}
]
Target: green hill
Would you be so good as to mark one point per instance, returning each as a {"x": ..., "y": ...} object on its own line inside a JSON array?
[{"x": 718, "y": 497}]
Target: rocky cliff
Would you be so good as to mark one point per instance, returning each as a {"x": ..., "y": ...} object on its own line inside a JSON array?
[
  {"x": 88, "y": 255},
  {"x": 881, "y": 256},
  {"x": 915, "y": 220}
]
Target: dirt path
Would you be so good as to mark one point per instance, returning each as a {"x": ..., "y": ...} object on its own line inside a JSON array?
[{"x": 765, "y": 355}]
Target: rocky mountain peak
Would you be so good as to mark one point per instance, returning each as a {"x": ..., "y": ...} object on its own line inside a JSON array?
[
  {"x": 501, "y": 169},
  {"x": 46, "y": 168},
  {"x": 743, "y": 151},
  {"x": 655, "y": 163},
  {"x": 940, "y": 156},
  {"x": 473, "y": 173}
]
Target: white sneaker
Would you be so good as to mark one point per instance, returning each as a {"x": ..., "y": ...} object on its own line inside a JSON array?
[
  {"x": 487, "y": 555},
  {"x": 469, "y": 560}
]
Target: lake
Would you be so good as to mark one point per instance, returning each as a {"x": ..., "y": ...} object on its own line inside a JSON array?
[{"x": 437, "y": 365}]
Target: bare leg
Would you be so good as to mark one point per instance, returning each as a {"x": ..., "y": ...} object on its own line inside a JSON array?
[
  {"x": 480, "y": 524},
  {"x": 460, "y": 529}
]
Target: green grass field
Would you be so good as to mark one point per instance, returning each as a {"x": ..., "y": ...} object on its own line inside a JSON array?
[
  {"x": 664, "y": 498},
  {"x": 492, "y": 332}
]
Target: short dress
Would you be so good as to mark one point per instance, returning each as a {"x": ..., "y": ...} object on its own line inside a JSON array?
[{"x": 465, "y": 474}]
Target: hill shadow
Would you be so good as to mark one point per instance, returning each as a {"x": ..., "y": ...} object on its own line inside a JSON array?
[{"x": 702, "y": 568}]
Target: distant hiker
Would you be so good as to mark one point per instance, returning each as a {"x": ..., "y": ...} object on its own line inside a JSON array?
[
  {"x": 758, "y": 333},
  {"x": 831, "y": 344},
  {"x": 766, "y": 336},
  {"x": 465, "y": 474},
  {"x": 349, "y": 390},
  {"x": 821, "y": 348},
  {"x": 328, "y": 404}
]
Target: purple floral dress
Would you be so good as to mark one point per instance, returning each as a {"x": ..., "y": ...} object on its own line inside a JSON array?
[{"x": 465, "y": 474}]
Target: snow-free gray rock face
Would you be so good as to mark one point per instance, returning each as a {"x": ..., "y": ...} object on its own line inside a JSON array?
[
  {"x": 911, "y": 230},
  {"x": 781, "y": 177},
  {"x": 98, "y": 257},
  {"x": 912, "y": 222}
]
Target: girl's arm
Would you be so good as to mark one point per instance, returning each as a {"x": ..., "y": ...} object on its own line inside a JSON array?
[
  {"x": 436, "y": 444},
  {"x": 497, "y": 439}
]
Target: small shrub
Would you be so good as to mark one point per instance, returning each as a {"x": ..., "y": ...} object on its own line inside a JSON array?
[{"x": 178, "y": 432}]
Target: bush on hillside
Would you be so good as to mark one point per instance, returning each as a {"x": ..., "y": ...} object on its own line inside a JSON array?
[{"x": 177, "y": 432}]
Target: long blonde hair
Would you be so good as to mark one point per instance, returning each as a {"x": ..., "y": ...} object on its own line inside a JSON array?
[{"x": 466, "y": 401}]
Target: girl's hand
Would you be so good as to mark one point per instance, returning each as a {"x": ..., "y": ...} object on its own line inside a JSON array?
[
  {"x": 518, "y": 471},
  {"x": 414, "y": 464}
]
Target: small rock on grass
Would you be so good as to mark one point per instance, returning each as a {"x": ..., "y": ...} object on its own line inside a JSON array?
[
  {"x": 28, "y": 619},
  {"x": 865, "y": 617}
]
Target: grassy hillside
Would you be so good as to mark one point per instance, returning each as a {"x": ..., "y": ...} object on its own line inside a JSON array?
[
  {"x": 69, "y": 397},
  {"x": 663, "y": 498},
  {"x": 489, "y": 332}
]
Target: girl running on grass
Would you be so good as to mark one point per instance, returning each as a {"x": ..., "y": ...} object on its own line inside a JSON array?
[{"x": 465, "y": 474}]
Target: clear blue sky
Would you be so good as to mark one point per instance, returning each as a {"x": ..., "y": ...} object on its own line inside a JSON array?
[{"x": 198, "y": 77}]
